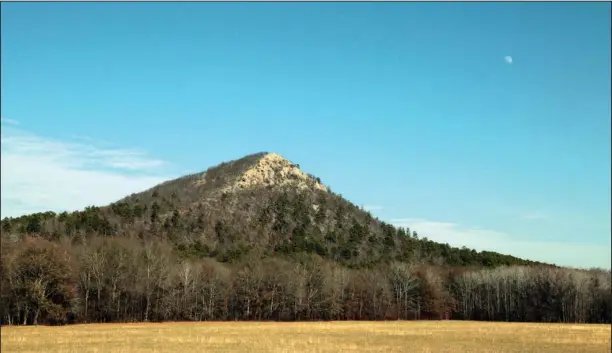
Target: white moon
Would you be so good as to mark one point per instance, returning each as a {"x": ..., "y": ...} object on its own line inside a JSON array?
[{"x": 508, "y": 59}]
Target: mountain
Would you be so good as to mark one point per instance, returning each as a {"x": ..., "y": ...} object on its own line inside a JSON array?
[
  {"x": 261, "y": 205},
  {"x": 258, "y": 239}
]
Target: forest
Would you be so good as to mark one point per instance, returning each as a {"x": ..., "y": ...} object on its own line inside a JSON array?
[
  {"x": 126, "y": 280},
  {"x": 191, "y": 249}
]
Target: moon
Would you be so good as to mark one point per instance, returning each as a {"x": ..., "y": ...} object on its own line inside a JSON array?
[{"x": 508, "y": 59}]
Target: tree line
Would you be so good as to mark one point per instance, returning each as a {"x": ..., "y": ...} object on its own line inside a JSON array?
[{"x": 128, "y": 279}]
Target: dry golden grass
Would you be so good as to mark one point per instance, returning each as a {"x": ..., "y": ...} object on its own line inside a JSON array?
[{"x": 332, "y": 337}]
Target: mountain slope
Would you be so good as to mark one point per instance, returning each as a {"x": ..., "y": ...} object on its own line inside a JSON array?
[
  {"x": 259, "y": 205},
  {"x": 258, "y": 239}
]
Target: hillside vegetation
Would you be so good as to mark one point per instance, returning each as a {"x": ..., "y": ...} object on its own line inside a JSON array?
[{"x": 258, "y": 239}]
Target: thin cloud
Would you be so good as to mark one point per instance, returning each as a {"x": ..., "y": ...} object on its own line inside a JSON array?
[
  {"x": 508, "y": 59},
  {"x": 42, "y": 174},
  {"x": 560, "y": 253},
  {"x": 5, "y": 121},
  {"x": 90, "y": 140}
]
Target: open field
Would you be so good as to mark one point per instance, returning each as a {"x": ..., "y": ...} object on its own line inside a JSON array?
[{"x": 332, "y": 337}]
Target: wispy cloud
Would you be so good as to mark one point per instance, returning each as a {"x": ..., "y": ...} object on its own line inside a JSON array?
[
  {"x": 5, "y": 121},
  {"x": 372, "y": 208},
  {"x": 560, "y": 253},
  {"x": 90, "y": 140},
  {"x": 508, "y": 59},
  {"x": 40, "y": 174}
]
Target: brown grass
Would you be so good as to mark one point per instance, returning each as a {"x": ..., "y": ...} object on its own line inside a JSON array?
[{"x": 332, "y": 337}]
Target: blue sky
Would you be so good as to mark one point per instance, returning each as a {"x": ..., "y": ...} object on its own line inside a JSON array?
[{"x": 410, "y": 109}]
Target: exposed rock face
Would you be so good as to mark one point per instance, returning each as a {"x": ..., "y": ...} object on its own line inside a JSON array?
[{"x": 274, "y": 170}]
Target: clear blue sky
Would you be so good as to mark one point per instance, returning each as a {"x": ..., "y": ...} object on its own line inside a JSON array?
[{"x": 408, "y": 108}]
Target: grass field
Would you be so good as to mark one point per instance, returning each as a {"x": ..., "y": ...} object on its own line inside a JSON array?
[{"x": 332, "y": 337}]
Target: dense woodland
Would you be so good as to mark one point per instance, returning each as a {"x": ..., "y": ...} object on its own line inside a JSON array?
[{"x": 191, "y": 249}]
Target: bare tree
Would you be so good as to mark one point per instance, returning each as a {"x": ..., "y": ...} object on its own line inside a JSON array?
[{"x": 404, "y": 285}]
